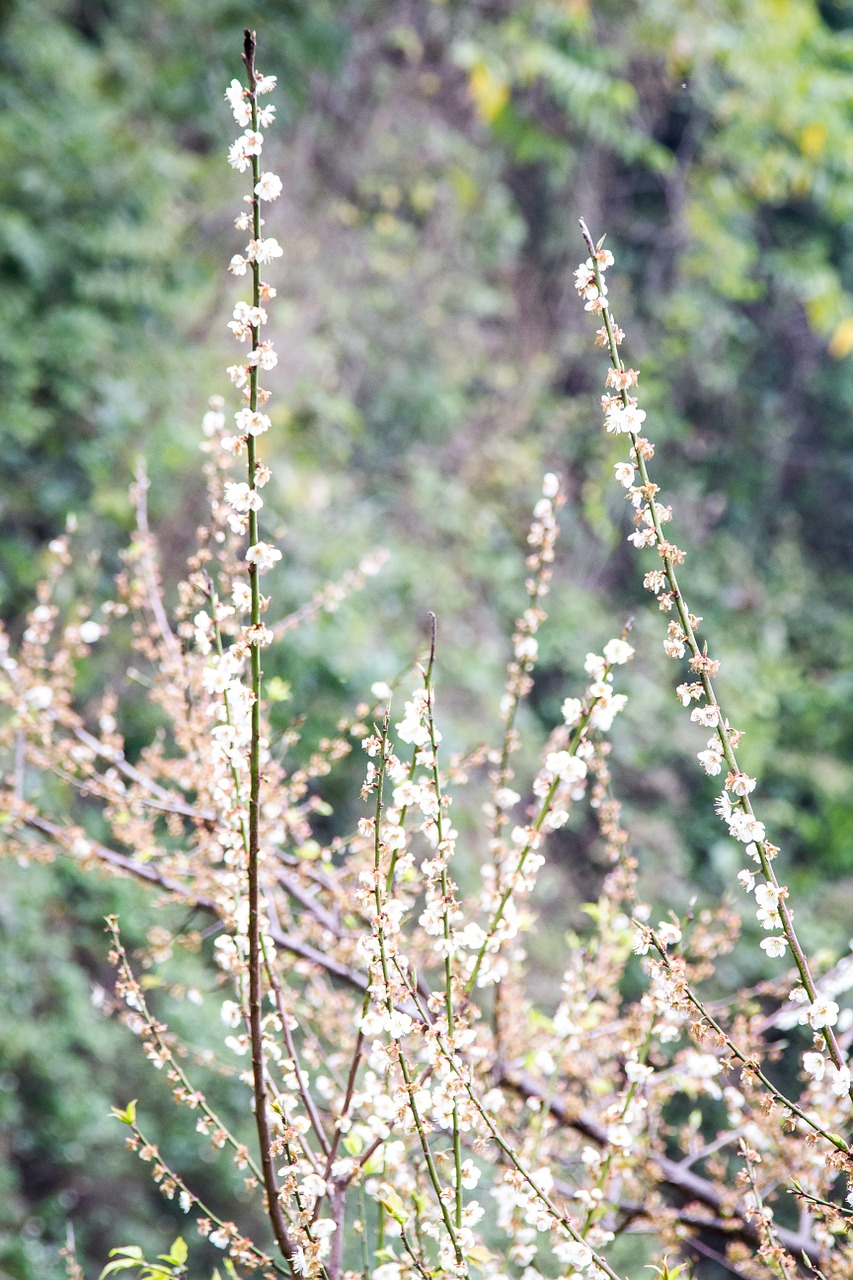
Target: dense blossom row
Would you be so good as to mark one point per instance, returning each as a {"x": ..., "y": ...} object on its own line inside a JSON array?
[{"x": 622, "y": 416}]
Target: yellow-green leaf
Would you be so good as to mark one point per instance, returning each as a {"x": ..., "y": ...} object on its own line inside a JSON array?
[{"x": 128, "y": 1116}]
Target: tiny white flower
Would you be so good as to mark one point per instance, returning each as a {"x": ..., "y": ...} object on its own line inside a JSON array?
[
  {"x": 265, "y": 250},
  {"x": 234, "y": 93},
  {"x": 572, "y": 710},
  {"x": 668, "y": 933},
  {"x": 621, "y": 419},
  {"x": 242, "y": 497},
  {"x": 707, "y": 716},
  {"x": 745, "y": 827},
  {"x": 231, "y": 1014},
  {"x": 566, "y": 767},
  {"x": 711, "y": 761},
  {"x": 527, "y": 649},
  {"x": 616, "y": 652},
  {"x": 372, "y": 1023},
  {"x": 822, "y": 1013},
  {"x": 253, "y": 142},
  {"x": 839, "y": 1079},
  {"x": 237, "y": 157},
  {"x": 268, "y": 187},
  {"x": 314, "y": 1185},
  {"x": 814, "y": 1065},
  {"x": 263, "y": 555},
  {"x": 251, "y": 422},
  {"x": 741, "y": 784},
  {"x": 399, "y": 1023}
]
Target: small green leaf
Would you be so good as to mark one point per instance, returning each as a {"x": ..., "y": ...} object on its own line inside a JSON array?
[
  {"x": 125, "y": 1256},
  {"x": 178, "y": 1251},
  {"x": 128, "y": 1116},
  {"x": 121, "y": 1264},
  {"x": 394, "y": 1205}
]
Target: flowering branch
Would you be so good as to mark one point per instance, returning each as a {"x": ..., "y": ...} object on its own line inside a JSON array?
[
  {"x": 622, "y": 416},
  {"x": 246, "y": 502}
]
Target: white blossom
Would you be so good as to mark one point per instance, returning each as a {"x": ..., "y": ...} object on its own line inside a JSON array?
[
  {"x": 822, "y": 1013},
  {"x": 263, "y": 555},
  {"x": 268, "y": 187},
  {"x": 617, "y": 652}
]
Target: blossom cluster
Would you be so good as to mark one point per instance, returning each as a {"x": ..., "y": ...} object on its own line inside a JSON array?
[{"x": 511, "y": 873}]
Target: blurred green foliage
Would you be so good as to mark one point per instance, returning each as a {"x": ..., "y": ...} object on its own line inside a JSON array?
[{"x": 434, "y": 362}]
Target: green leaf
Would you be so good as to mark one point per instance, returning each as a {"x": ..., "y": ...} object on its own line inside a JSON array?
[
  {"x": 125, "y": 1256},
  {"x": 121, "y": 1264},
  {"x": 394, "y": 1205},
  {"x": 128, "y": 1116},
  {"x": 178, "y": 1252}
]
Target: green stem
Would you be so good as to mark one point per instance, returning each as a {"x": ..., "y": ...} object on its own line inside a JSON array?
[
  {"x": 446, "y": 898},
  {"x": 265, "y": 1140}
]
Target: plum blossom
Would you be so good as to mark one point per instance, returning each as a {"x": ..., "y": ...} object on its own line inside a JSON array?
[
  {"x": 263, "y": 556},
  {"x": 241, "y": 497},
  {"x": 268, "y": 186},
  {"x": 250, "y": 422},
  {"x": 264, "y": 250},
  {"x": 566, "y": 767},
  {"x": 253, "y": 142},
  {"x": 571, "y": 710},
  {"x": 616, "y": 652},
  {"x": 746, "y": 827},
  {"x": 822, "y": 1013},
  {"x": 814, "y": 1065},
  {"x": 622, "y": 419},
  {"x": 839, "y": 1079}
]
